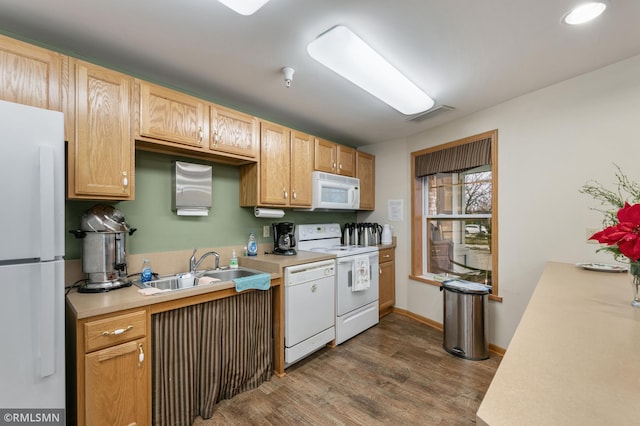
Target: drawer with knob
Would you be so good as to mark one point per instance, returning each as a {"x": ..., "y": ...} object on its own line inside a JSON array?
[
  {"x": 113, "y": 330},
  {"x": 387, "y": 255}
]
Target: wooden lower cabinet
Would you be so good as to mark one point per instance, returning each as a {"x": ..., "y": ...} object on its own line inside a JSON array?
[
  {"x": 116, "y": 379},
  {"x": 108, "y": 369},
  {"x": 387, "y": 281}
]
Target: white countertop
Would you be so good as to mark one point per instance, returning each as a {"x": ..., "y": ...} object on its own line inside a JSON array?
[{"x": 575, "y": 356}]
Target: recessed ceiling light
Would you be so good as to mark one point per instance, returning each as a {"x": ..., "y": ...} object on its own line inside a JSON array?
[
  {"x": 244, "y": 7},
  {"x": 584, "y": 13},
  {"x": 340, "y": 50}
]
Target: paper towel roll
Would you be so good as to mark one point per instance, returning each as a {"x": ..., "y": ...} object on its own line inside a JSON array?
[{"x": 271, "y": 213}]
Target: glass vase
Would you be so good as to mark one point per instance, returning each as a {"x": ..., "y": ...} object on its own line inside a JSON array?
[{"x": 634, "y": 275}]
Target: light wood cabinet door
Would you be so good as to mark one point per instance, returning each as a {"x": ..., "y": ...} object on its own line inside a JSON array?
[
  {"x": 30, "y": 75},
  {"x": 346, "y": 161},
  {"x": 387, "y": 281},
  {"x": 101, "y": 156},
  {"x": 274, "y": 164},
  {"x": 172, "y": 116},
  {"x": 302, "y": 150},
  {"x": 233, "y": 132},
  {"x": 366, "y": 172},
  {"x": 116, "y": 390},
  {"x": 325, "y": 156},
  {"x": 331, "y": 157}
]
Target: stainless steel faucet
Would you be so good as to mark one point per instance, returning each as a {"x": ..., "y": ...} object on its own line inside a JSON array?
[{"x": 193, "y": 264}]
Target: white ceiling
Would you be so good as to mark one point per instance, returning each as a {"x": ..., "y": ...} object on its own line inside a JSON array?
[{"x": 469, "y": 54}]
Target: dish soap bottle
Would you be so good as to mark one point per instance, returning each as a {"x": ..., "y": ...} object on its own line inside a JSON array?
[
  {"x": 233, "y": 262},
  {"x": 252, "y": 246},
  {"x": 146, "y": 274}
]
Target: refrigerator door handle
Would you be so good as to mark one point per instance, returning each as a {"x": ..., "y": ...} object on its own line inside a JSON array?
[
  {"x": 46, "y": 329},
  {"x": 47, "y": 204}
]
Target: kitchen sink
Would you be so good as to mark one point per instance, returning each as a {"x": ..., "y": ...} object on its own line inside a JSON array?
[
  {"x": 230, "y": 274},
  {"x": 171, "y": 282}
]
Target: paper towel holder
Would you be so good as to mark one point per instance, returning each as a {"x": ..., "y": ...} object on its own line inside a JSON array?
[
  {"x": 269, "y": 213},
  {"x": 191, "y": 195}
]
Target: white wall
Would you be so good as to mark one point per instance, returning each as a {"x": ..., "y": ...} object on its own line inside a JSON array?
[{"x": 550, "y": 143}]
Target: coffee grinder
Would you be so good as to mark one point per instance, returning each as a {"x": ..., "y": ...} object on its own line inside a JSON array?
[
  {"x": 103, "y": 232},
  {"x": 284, "y": 239}
]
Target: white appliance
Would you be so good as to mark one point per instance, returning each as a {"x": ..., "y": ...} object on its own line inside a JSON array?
[
  {"x": 309, "y": 317},
  {"x": 356, "y": 311},
  {"x": 334, "y": 192},
  {"x": 31, "y": 251}
]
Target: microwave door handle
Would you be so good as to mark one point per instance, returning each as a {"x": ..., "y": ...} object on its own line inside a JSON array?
[{"x": 352, "y": 195}]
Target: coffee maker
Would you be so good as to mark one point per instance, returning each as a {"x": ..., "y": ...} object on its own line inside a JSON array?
[
  {"x": 284, "y": 239},
  {"x": 103, "y": 232}
]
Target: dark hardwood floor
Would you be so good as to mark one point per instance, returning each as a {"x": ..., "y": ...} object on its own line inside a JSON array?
[{"x": 393, "y": 374}]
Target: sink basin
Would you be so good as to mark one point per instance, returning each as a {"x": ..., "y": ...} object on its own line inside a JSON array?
[
  {"x": 230, "y": 274},
  {"x": 171, "y": 282}
]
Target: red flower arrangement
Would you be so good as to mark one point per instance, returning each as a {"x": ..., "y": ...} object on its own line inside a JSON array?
[{"x": 625, "y": 235}]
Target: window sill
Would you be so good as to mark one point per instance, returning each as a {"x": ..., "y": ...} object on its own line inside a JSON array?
[{"x": 427, "y": 280}]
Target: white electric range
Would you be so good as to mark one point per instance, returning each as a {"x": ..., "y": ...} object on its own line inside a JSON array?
[{"x": 356, "y": 307}]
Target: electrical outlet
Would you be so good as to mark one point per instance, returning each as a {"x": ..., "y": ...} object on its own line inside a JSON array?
[
  {"x": 265, "y": 231},
  {"x": 588, "y": 233}
]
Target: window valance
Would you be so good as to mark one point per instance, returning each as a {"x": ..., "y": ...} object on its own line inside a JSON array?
[{"x": 455, "y": 159}]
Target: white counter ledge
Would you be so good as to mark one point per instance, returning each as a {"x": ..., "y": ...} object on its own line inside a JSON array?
[{"x": 575, "y": 356}]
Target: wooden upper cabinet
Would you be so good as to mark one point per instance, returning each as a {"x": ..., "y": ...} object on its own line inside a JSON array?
[
  {"x": 366, "y": 172},
  {"x": 282, "y": 178},
  {"x": 30, "y": 75},
  {"x": 172, "y": 116},
  {"x": 233, "y": 132},
  {"x": 325, "y": 156},
  {"x": 331, "y": 157},
  {"x": 302, "y": 152},
  {"x": 274, "y": 164},
  {"x": 101, "y": 152},
  {"x": 346, "y": 161}
]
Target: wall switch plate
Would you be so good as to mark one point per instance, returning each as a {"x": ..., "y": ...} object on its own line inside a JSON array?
[
  {"x": 265, "y": 231},
  {"x": 588, "y": 233}
]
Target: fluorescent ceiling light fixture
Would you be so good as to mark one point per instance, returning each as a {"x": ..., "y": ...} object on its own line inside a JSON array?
[
  {"x": 244, "y": 7},
  {"x": 584, "y": 13},
  {"x": 343, "y": 52}
]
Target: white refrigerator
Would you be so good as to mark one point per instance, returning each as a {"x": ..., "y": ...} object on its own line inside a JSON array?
[{"x": 32, "y": 291}]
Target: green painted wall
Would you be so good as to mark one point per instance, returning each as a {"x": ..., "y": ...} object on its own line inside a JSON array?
[{"x": 160, "y": 229}]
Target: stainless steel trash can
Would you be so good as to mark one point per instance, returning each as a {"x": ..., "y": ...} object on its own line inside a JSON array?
[{"x": 465, "y": 319}]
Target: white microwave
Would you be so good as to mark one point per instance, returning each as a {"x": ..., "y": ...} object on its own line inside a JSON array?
[{"x": 334, "y": 192}]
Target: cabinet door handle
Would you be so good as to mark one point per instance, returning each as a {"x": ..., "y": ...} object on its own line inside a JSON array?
[
  {"x": 293, "y": 194},
  {"x": 386, "y": 256},
  {"x": 117, "y": 331},
  {"x": 125, "y": 181},
  {"x": 200, "y": 134},
  {"x": 216, "y": 138},
  {"x": 333, "y": 165},
  {"x": 340, "y": 166},
  {"x": 140, "y": 355},
  {"x": 286, "y": 194}
]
